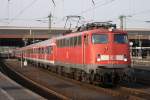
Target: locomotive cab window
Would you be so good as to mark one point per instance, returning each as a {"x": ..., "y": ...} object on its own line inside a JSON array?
[
  {"x": 99, "y": 38},
  {"x": 120, "y": 38}
]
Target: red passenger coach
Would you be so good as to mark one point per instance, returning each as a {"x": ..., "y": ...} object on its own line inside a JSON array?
[
  {"x": 96, "y": 52},
  {"x": 41, "y": 52}
]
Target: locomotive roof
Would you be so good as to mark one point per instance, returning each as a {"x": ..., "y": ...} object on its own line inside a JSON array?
[{"x": 90, "y": 32}]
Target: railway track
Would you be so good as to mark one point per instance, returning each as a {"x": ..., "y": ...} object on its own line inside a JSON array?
[
  {"x": 75, "y": 92},
  {"x": 122, "y": 93},
  {"x": 24, "y": 81},
  {"x": 142, "y": 73},
  {"x": 131, "y": 93}
]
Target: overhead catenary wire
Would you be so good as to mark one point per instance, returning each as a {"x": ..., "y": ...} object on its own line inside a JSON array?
[
  {"x": 24, "y": 9},
  {"x": 136, "y": 20},
  {"x": 135, "y": 14},
  {"x": 8, "y": 12},
  {"x": 96, "y": 6},
  {"x": 34, "y": 1},
  {"x": 53, "y": 2},
  {"x": 141, "y": 12},
  {"x": 93, "y": 2}
]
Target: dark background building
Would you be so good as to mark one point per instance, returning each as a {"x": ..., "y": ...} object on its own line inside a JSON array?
[{"x": 12, "y": 37}]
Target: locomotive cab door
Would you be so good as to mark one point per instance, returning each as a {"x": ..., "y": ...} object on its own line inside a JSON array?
[{"x": 85, "y": 48}]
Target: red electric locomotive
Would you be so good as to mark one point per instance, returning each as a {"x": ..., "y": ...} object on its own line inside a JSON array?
[{"x": 96, "y": 52}]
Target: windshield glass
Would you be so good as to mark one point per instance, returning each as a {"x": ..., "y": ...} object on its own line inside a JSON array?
[
  {"x": 120, "y": 38},
  {"x": 99, "y": 38}
]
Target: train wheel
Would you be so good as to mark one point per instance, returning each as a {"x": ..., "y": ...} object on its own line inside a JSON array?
[
  {"x": 83, "y": 76},
  {"x": 59, "y": 71},
  {"x": 97, "y": 77},
  {"x": 78, "y": 75},
  {"x": 72, "y": 73},
  {"x": 91, "y": 78},
  {"x": 115, "y": 78}
]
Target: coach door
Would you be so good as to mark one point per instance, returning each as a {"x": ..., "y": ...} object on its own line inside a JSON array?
[{"x": 50, "y": 54}]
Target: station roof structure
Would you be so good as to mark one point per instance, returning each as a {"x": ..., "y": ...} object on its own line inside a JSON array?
[
  {"x": 139, "y": 33},
  {"x": 43, "y": 32},
  {"x": 29, "y": 32}
]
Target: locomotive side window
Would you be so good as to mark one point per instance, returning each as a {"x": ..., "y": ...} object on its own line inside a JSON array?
[
  {"x": 120, "y": 38},
  {"x": 99, "y": 38},
  {"x": 69, "y": 42},
  {"x": 75, "y": 41},
  {"x": 61, "y": 43},
  {"x": 57, "y": 43},
  {"x": 65, "y": 42},
  {"x": 79, "y": 40}
]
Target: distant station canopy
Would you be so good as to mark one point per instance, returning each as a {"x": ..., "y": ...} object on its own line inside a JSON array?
[{"x": 92, "y": 25}]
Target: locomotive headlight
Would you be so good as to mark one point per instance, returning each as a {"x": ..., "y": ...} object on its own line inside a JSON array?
[
  {"x": 98, "y": 59},
  {"x": 125, "y": 58}
]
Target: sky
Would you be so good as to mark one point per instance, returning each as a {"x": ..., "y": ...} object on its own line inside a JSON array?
[{"x": 34, "y": 13}]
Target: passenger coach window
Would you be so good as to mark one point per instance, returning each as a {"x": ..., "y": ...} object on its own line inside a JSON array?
[
  {"x": 120, "y": 38},
  {"x": 49, "y": 50},
  {"x": 99, "y": 38}
]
